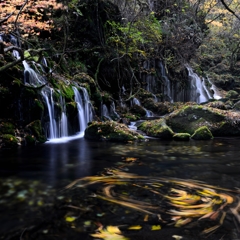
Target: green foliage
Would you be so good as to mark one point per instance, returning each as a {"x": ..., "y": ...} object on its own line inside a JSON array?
[{"x": 133, "y": 37}]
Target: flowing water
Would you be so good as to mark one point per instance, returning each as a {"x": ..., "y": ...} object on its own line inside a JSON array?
[{"x": 33, "y": 177}]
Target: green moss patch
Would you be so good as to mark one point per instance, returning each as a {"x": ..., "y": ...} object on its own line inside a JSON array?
[
  {"x": 202, "y": 133},
  {"x": 181, "y": 136},
  {"x": 9, "y": 141},
  {"x": 156, "y": 128}
]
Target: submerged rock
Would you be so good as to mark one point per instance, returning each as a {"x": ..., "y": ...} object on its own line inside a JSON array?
[
  {"x": 111, "y": 131},
  {"x": 202, "y": 133}
]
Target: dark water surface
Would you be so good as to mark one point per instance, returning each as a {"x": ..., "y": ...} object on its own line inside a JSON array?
[{"x": 32, "y": 177}]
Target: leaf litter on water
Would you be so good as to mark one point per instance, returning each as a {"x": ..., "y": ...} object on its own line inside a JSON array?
[{"x": 182, "y": 200}]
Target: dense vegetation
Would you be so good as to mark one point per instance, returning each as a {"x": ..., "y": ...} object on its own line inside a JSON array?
[{"x": 115, "y": 46}]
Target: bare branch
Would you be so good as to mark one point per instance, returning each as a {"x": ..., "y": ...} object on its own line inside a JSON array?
[{"x": 229, "y": 9}]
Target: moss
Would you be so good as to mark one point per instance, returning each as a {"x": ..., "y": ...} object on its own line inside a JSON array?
[
  {"x": 111, "y": 131},
  {"x": 232, "y": 94},
  {"x": 202, "y": 133},
  {"x": 156, "y": 128},
  {"x": 9, "y": 141},
  {"x": 35, "y": 129},
  {"x": 37, "y": 109},
  {"x": 30, "y": 139},
  {"x": 7, "y": 128},
  {"x": 189, "y": 118},
  {"x": 139, "y": 111},
  {"x": 68, "y": 92},
  {"x": 181, "y": 136}
]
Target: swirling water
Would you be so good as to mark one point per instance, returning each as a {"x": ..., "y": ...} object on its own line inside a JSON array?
[{"x": 30, "y": 177}]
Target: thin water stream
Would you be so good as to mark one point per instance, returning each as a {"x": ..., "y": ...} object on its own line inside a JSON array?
[{"x": 31, "y": 178}]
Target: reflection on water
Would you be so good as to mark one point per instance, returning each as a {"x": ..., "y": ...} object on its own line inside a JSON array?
[
  {"x": 30, "y": 177},
  {"x": 215, "y": 160}
]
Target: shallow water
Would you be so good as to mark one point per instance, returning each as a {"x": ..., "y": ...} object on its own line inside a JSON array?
[{"x": 32, "y": 177}]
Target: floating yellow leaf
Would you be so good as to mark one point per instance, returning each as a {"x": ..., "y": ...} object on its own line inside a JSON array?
[
  {"x": 137, "y": 227},
  {"x": 70, "y": 219},
  {"x": 155, "y": 227},
  {"x": 110, "y": 233}
]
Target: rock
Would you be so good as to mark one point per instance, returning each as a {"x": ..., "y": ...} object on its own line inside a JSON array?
[
  {"x": 190, "y": 118},
  {"x": 202, "y": 133},
  {"x": 157, "y": 128},
  {"x": 111, "y": 131},
  {"x": 181, "y": 136}
]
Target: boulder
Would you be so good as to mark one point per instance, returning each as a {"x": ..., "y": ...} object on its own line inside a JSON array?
[
  {"x": 157, "y": 128},
  {"x": 181, "y": 136},
  {"x": 202, "y": 133},
  {"x": 111, "y": 131}
]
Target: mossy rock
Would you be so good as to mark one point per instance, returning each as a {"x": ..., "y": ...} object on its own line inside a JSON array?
[
  {"x": 232, "y": 94},
  {"x": 202, "y": 133},
  {"x": 9, "y": 141},
  {"x": 111, "y": 131},
  {"x": 236, "y": 106},
  {"x": 156, "y": 128},
  {"x": 34, "y": 129},
  {"x": 217, "y": 104},
  {"x": 30, "y": 139},
  {"x": 189, "y": 118},
  {"x": 139, "y": 111},
  {"x": 7, "y": 128},
  {"x": 181, "y": 136}
]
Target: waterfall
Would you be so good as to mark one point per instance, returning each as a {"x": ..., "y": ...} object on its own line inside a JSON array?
[
  {"x": 166, "y": 82},
  {"x": 113, "y": 110},
  {"x": 64, "y": 120},
  {"x": 198, "y": 93},
  {"x": 105, "y": 112},
  {"x": 52, "y": 129},
  {"x": 135, "y": 101},
  {"x": 85, "y": 113},
  {"x": 216, "y": 92},
  {"x": 31, "y": 77}
]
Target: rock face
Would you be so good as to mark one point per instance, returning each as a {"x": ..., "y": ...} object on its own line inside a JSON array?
[{"x": 111, "y": 131}]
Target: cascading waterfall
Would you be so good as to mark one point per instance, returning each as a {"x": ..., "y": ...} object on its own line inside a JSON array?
[
  {"x": 57, "y": 126},
  {"x": 216, "y": 92},
  {"x": 135, "y": 101},
  {"x": 31, "y": 77},
  {"x": 64, "y": 120},
  {"x": 198, "y": 93},
  {"x": 105, "y": 112},
  {"x": 52, "y": 128},
  {"x": 167, "y": 89},
  {"x": 85, "y": 113},
  {"x": 113, "y": 110}
]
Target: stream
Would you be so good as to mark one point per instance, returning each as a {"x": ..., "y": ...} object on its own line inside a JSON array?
[{"x": 33, "y": 178}]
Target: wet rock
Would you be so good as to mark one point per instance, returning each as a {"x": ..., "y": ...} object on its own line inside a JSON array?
[
  {"x": 202, "y": 133},
  {"x": 181, "y": 136},
  {"x": 111, "y": 131},
  {"x": 157, "y": 128}
]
